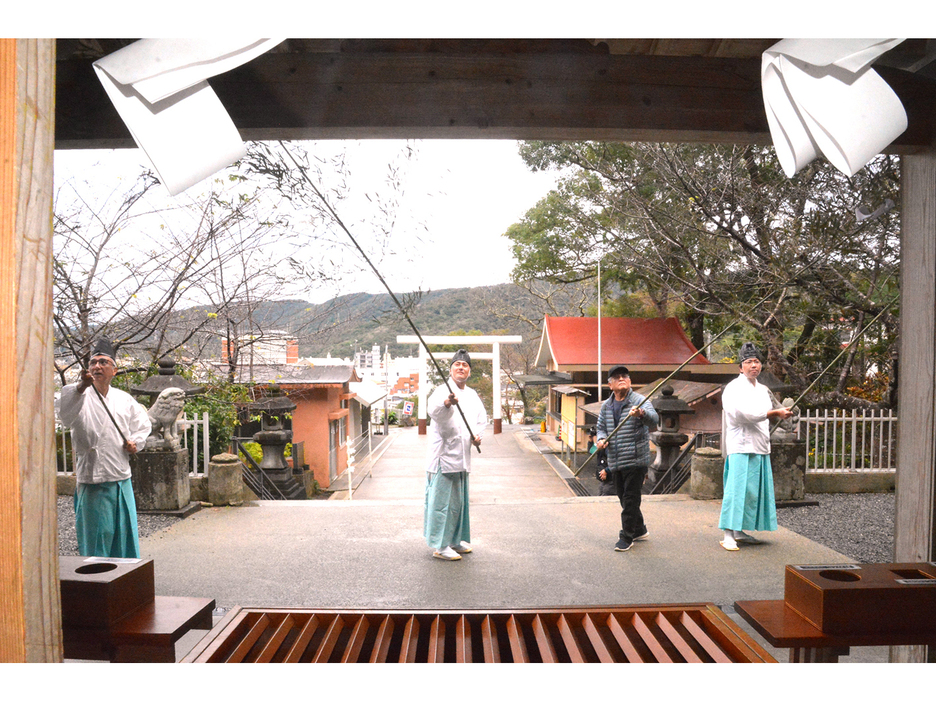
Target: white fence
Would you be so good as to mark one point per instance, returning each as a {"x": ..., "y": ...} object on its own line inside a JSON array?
[
  {"x": 197, "y": 429},
  {"x": 841, "y": 441},
  {"x": 360, "y": 451},
  {"x": 193, "y": 434}
]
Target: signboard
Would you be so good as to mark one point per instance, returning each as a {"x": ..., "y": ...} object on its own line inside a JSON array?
[{"x": 408, "y": 408}]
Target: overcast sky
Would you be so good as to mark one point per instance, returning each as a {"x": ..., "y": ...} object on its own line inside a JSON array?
[
  {"x": 459, "y": 197},
  {"x": 466, "y": 193}
]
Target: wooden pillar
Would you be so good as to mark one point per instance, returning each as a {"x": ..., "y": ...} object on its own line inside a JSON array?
[
  {"x": 496, "y": 402},
  {"x": 914, "y": 528},
  {"x": 30, "y": 615}
]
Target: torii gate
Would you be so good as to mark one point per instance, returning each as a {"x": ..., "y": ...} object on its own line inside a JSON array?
[{"x": 494, "y": 341}]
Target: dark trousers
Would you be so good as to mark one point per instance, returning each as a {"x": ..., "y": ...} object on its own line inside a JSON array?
[{"x": 627, "y": 484}]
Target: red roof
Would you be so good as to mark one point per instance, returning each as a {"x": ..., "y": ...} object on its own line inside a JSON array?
[{"x": 573, "y": 341}]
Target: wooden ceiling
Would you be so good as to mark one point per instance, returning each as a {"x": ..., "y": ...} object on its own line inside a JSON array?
[{"x": 618, "y": 89}]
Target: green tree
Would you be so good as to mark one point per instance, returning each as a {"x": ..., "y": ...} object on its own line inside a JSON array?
[{"x": 702, "y": 232}]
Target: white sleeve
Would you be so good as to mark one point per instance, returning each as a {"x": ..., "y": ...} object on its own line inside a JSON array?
[
  {"x": 444, "y": 417},
  {"x": 139, "y": 423},
  {"x": 69, "y": 405},
  {"x": 743, "y": 408}
]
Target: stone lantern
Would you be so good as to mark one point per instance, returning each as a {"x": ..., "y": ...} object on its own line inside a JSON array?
[
  {"x": 166, "y": 378},
  {"x": 668, "y": 438},
  {"x": 273, "y": 437},
  {"x": 161, "y": 480}
]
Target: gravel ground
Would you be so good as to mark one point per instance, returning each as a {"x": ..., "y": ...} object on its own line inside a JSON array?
[
  {"x": 147, "y": 524},
  {"x": 858, "y": 526}
]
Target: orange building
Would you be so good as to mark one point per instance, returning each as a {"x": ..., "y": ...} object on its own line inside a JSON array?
[
  {"x": 406, "y": 384},
  {"x": 327, "y": 413}
]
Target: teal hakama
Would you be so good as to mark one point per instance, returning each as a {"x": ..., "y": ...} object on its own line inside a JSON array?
[
  {"x": 446, "y": 514},
  {"x": 106, "y": 520},
  {"x": 748, "y": 502}
]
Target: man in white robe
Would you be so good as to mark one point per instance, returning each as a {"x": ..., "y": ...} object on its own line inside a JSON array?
[
  {"x": 446, "y": 523},
  {"x": 748, "y": 501},
  {"x": 107, "y": 426}
]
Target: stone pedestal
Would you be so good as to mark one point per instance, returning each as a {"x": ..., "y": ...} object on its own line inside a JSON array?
[
  {"x": 669, "y": 445},
  {"x": 161, "y": 480},
  {"x": 708, "y": 469},
  {"x": 225, "y": 485},
  {"x": 273, "y": 466},
  {"x": 788, "y": 460}
]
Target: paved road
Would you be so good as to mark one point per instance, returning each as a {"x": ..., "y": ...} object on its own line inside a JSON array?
[
  {"x": 536, "y": 545},
  {"x": 508, "y": 468}
]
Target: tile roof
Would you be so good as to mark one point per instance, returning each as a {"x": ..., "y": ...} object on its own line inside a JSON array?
[{"x": 572, "y": 341}]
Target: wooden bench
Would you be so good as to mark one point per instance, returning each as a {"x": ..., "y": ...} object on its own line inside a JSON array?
[
  {"x": 782, "y": 627},
  {"x": 110, "y": 611},
  {"x": 146, "y": 635},
  {"x": 826, "y": 609}
]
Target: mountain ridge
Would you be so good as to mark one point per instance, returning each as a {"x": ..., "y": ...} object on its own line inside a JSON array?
[{"x": 357, "y": 321}]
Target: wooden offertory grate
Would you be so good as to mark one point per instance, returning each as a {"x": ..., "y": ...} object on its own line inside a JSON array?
[{"x": 665, "y": 633}]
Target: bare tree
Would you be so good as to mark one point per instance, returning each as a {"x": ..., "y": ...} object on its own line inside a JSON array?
[
  {"x": 158, "y": 276},
  {"x": 126, "y": 264},
  {"x": 575, "y": 299}
]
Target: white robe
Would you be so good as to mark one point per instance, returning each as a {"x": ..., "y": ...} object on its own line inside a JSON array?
[
  {"x": 745, "y": 426},
  {"x": 449, "y": 441},
  {"x": 101, "y": 457}
]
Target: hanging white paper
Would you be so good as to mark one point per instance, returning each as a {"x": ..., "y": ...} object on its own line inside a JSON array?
[
  {"x": 160, "y": 90},
  {"x": 822, "y": 96}
]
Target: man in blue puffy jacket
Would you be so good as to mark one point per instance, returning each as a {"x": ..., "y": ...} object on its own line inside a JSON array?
[{"x": 628, "y": 451}]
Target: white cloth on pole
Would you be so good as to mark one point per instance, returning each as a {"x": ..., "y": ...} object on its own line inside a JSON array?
[
  {"x": 822, "y": 96},
  {"x": 161, "y": 91}
]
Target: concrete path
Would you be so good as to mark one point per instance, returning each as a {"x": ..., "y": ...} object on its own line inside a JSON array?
[
  {"x": 536, "y": 545},
  {"x": 509, "y": 467}
]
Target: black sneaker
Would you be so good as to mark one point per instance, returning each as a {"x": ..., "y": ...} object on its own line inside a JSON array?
[
  {"x": 623, "y": 545},
  {"x": 644, "y": 536}
]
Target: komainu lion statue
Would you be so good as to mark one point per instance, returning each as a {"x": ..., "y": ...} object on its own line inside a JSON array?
[{"x": 164, "y": 414}]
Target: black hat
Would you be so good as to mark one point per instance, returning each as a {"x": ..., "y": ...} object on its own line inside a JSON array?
[
  {"x": 103, "y": 347},
  {"x": 461, "y": 355},
  {"x": 618, "y": 370},
  {"x": 749, "y": 350}
]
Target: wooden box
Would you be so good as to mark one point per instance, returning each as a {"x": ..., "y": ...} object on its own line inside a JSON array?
[
  {"x": 866, "y": 598},
  {"x": 97, "y": 592}
]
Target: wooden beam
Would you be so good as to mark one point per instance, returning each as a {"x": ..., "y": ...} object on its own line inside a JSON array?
[
  {"x": 496, "y": 95},
  {"x": 30, "y": 618},
  {"x": 915, "y": 524}
]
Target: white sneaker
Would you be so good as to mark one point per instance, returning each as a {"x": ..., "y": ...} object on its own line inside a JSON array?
[
  {"x": 729, "y": 544},
  {"x": 463, "y": 547},
  {"x": 447, "y": 554}
]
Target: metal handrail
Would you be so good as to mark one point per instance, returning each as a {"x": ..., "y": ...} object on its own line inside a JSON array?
[
  {"x": 249, "y": 477},
  {"x": 676, "y": 475}
]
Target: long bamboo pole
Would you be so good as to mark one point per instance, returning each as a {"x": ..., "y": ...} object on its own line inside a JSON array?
[
  {"x": 841, "y": 353},
  {"x": 667, "y": 378},
  {"x": 393, "y": 297}
]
